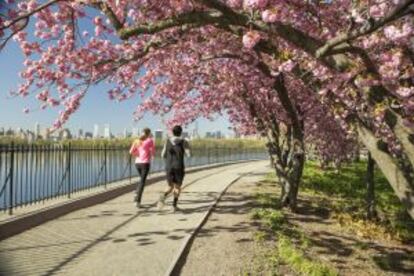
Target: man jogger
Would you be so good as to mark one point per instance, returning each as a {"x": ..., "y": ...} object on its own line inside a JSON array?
[{"x": 173, "y": 153}]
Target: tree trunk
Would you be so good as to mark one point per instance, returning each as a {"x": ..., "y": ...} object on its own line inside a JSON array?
[
  {"x": 290, "y": 175},
  {"x": 295, "y": 178},
  {"x": 402, "y": 186},
  {"x": 370, "y": 197},
  {"x": 395, "y": 122},
  {"x": 357, "y": 156},
  {"x": 283, "y": 179}
]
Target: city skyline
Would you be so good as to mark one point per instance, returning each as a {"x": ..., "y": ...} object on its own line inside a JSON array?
[{"x": 104, "y": 131}]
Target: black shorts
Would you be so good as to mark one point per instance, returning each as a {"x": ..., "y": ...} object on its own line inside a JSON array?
[{"x": 175, "y": 176}]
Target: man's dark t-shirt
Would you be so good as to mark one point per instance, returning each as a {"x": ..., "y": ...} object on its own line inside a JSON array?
[{"x": 173, "y": 153}]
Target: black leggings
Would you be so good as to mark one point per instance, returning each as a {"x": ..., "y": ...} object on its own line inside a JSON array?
[{"x": 143, "y": 170}]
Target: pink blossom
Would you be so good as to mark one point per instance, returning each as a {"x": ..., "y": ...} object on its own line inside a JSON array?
[
  {"x": 97, "y": 21},
  {"x": 98, "y": 30},
  {"x": 43, "y": 96},
  {"x": 287, "y": 66},
  {"x": 52, "y": 102},
  {"x": 235, "y": 3},
  {"x": 405, "y": 92},
  {"x": 394, "y": 33},
  {"x": 357, "y": 16},
  {"x": 250, "y": 39},
  {"x": 257, "y": 4},
  {"x": 270, "y": 16},
  {"x": 378, "y": 10}
]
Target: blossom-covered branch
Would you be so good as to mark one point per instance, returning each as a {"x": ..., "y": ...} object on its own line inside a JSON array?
[{"x": 372, "y": 25}]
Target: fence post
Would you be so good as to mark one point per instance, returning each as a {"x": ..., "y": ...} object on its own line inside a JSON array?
[
  {"x": 130, "y": 170},
  {"x": 69, "y": 165},
  {"x": 105, "y": 163},
  {"x": 11, "y": 172}
]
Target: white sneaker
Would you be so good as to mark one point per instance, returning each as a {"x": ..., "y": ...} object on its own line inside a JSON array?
[{"x": 161, "y": 203}]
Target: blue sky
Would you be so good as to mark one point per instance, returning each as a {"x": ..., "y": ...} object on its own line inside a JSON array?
[{"x": 96, "y": 108}]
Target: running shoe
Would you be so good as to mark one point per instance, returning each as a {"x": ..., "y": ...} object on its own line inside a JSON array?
[{"x": 161, "y": 202}]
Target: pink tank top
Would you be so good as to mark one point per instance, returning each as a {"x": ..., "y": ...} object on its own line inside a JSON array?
[{"x": 146, "y": 151}]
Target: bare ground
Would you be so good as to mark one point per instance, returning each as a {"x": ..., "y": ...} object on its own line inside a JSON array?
[
  {"x": 350, "y": 254},
  {"x": 227, "y": 244}
]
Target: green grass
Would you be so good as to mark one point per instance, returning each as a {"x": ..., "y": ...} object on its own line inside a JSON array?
[
  {"x": 343, "y": 192},
  {"x": 296, "y": 259},
  {"x": 291, "y": 243},
  {"x": 349, "y": 182}
]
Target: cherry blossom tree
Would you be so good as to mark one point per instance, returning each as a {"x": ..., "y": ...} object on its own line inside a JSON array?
[{"x": 274, "y": 66}]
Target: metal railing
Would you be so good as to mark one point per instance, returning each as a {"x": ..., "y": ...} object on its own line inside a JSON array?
[{"x": 33, "y": 173}]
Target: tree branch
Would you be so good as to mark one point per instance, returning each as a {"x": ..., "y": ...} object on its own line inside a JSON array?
[
  {"x": 195, "y": 19},
  {"x": 104, "y": 7},
  {"x": 27, "y": 15},
  {"x": 370, "y": 27},
  {"x": 5, "y": 41}
]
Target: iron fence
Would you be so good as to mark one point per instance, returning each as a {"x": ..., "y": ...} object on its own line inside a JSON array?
[{"x": 34, "y": 173}]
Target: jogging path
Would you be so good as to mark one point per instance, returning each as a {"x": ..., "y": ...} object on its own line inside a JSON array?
[{"x": 114, "y": 238}]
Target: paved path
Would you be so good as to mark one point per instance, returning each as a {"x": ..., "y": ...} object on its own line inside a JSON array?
[{"x": 113, "y": 238}]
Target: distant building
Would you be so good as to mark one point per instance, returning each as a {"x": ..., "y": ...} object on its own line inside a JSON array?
[
  {"x": 37, "y": 130},
  {"x": 159, "y": 134},
  {"x": 80, "y": 133},
  {"x": 20, "y": 133},
  {"x": 214, "y": 134},
  {"x": 135, "y": 132},
  {"x": 30, "y": 137},
  {"x": 96, "y": 132},
  {"x": 125, "y": 134},
  {"x": 88, "y": 135},
  {"x": 45, "y": 134},
  {"x": 107, "y": 132},
  {"x": 195, "y": 134}
]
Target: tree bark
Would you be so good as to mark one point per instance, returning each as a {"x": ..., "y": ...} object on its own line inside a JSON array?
[
  {"x": 395, "y": 122},
  {"x": 370, "y": 196},
  {"x": 288, "y": 157},
  {"x": 400, "y": 183},
  {"x": 289, "y": 173},
  {"x": 357, "y": 156},
  {"x": 295, "y": 178}
]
